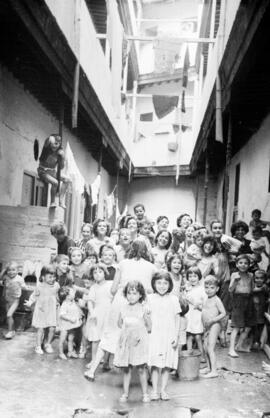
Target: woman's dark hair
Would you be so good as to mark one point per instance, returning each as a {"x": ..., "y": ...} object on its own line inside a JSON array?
[
  {"x": 179, "y": 219},
  {"x": 159, "y": 218},
  {"x": 237, "y": 225},
  {"x": 173, "y": 257},
  {"x": 169, "y": 238},
  {"x": 138, "y": 249},
  {"x": 210, "y": 238},
  {"x": 162, "y": 274},
  {"x": 98, "y": 266},
  {"x": 58, "y": 228},
  {"x": 128, "y": 219},
  {"x": 194, "y": 269},
  {"x": 135, "y": 285},
  {"x": 47, "y": 269},
  {"x": 123, "y": 220},
  {"x": 139, "y": 205},
  {"x": 95, "y": 226}
]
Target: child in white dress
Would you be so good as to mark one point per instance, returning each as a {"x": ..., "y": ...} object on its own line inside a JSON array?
[
  {"x": 163, "y": 341},
  {"x": 196, "y": 297},
  {"x": 132, "y": 347}
]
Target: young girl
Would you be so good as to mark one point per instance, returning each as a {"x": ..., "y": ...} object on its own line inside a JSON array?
[
  {"x": 13, "y": 285},
  {"x": 162, "y": 223},
  {"x": 86, "y": 231},
  {"x": 99, "y": 302},
  {"x": 242, "y": 315},
  {"x": 208, "y": 262},
  {"x": 175, "y": 267},
  {"x": 78, "y": 268},
  {"x": 196, "y": 297},
  {"x": 63, "y": 275},
  {"x": 101, "y": 236},
  {"x": 108, "y": 256},
  {"x": 132, "y": 347},
  {"x": 70, "y": 318},
  {"x": 163, "y": 241},
  {"x": 45, "y": 311},
  {"x": 124, "y": 244},
  {"x": 163, "y": 341},
  {"x": 260, "y": 245}
]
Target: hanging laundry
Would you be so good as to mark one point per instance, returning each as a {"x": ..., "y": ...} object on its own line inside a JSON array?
[
  {"x": 163, "y": 105},
  {"x": 95, "y": 187},
  {"x": 110, "y": 203},
  {"x": 73, "y": 172}
]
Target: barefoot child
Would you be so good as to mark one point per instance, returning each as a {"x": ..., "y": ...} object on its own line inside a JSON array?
[
  {"x": 241, "y": 288},
  {"x": 132, "y": 347},
  {"x": 13, "y": 285},
  {"x": 213, "y": 312}
]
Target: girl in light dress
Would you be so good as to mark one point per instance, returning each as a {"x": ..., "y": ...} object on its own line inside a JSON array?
[
  {"x": 137, "y": 265},
  {"x": 132, "y": 347},
  {"x": 70, "y": 319},
  {"x": 208, "y": 263},
  {"x": 101, "y": 236},
  {"x": 163, "y": 241},
  {"x": 196, "y": 297},
  {"x": 163, "y": 340},
  {"x": 45, "y": 297},
  {"x": 99, "y": 302},
  {"x": 78, "y": 267}
]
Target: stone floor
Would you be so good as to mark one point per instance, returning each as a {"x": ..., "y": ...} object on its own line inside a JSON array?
[{"x": 33, "y": 386}]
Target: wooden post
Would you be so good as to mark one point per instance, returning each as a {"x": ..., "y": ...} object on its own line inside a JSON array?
[
  {"x": 206, "y": 181},
  {"x": 227, "y": 167}
]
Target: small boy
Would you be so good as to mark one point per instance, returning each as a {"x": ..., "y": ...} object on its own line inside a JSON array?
[
  {"x": 242, "y": 315},
  {"x": 213, "y": 312},
  {"x": 107, "y": 255},
  {"x": 260, "y": 295},
  {"x": 63, "y": 275}
]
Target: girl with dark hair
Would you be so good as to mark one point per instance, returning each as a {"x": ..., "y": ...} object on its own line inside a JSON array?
[
  {"x": 101, "y": 231},
  {"x": 163, "y": 341},
  {"x": 184, "y": 221},
  {"x": 162, "y": 223},
  {"x": 238, "y": 230},
  {"x": 132, "y": 347},
  {"x": 208, "y": 263},
  {"x": 163, "y": 241}
]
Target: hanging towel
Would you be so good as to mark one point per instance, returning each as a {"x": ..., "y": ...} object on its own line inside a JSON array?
[
  {"x": 73, "y": 172},
  {"x": 95, "y": 189},
  {"x": 163, "y": 105}
]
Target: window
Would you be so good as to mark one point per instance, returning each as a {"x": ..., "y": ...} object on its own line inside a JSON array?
[
  {"x": 34, "y": 191},
  {"x": 146, "y": 117}
]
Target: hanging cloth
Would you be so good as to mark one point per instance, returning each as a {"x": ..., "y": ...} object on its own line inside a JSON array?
[
  {"x": 95, "y": 187},
  {"x": 163, "y": 105}
]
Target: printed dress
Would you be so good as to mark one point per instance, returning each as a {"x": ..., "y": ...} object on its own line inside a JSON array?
[
  {"x": 132, "y": 346},
  {"x": 45, "y": 296},
  {"x": 164, "y": 310}
]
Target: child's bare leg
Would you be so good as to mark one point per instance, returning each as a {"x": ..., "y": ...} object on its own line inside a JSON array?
[
  {"x": 154, "y": 378},
  {"x": 143, "y": 379},
  {"x": 10, "y": 312},
  {"x": 242, "y": 339},
  {"x": 164, "y": 383},
  {"x": 50, "y": 335},
  {"x": 64, "y": 185},
  {"x": 54, "y": 184},
  {"x": 198, "y": 339},
  {"x": 71, "y": 352},
  {"x": 95, "y": 363},
  {"x": 62, "y": 339},
  {"x": 94, "y": 349},
  {"x": 126, "y": 380},
  {"x": 189, "y": 342},
  {"x": 232, "y": 351},
  {"x": 212, "y": 340},
  {"x": 40, "y": 335},
  {"x": 207, "y": 367}
]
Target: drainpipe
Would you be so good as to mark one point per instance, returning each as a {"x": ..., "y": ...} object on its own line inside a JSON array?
[{"x": 206, "y": 181}]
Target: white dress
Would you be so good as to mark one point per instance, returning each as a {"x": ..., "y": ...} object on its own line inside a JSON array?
[
  {"x": 164, "y": 311},
  {"x": 195, "y": 295},
  {"x": 130, "y": 269},
  {"x": 100, "y": 296}
]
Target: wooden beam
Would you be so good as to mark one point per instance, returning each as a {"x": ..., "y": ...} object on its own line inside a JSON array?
[
  {"x": 163, "y": 171},
  {"x": 181, "y": 39}
]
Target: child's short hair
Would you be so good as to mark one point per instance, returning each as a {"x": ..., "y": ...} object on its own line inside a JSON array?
[
  {"x": 90, "y": 226},
  {"x": 72, "y": 249},
  {"x": 237, "y": 225},
  {"x": 216, "y": 221},
  {"x": 135, "y": 285},
  {"x": 100, "y": 266},
  {"x": 243, "y": 257},
  {"x": 138, "y": 205},
  {"x": 146, "y": 222},
  {"x": 259, "y": 213},
  {"x": 47, "y": 269},
  {"x": 58, "y": 228},
  {"x": 194, "y": 269},
  {"x": 211, "y": 239},
  {"x": 174, "y": 257},
  {"x": 211, "y": 280},
  {"x": 128, "y": 219},
  {"x": 262, "y": 273},
  {"x": 92, "y": 254},
  {"x": 95, "y": 226},
  {"x": 106, "y": 247},
  {"x": 162, "y": 274},
  {"x": 159, "y": 218},
  {"x": 169, "y": 238},
  {"x": 138, "y": 249},
  {"x": 61, "y": 257},
  {"x": 198, "y": 234},
  {"x": 11, "y": 263}
]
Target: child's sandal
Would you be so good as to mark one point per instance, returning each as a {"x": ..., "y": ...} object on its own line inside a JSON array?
[
  {"x": 89, "y": 376},
  {"x": 154, "y": 396},
  {"x": 123, "y": 398},
  {"x": 164, "y": 396},
  {"x": 146, "y": 398}
]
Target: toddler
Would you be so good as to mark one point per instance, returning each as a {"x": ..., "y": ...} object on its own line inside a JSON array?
[
  {"x": 63, "y": 274},
  {"x": 260, "y": 296},
  {"x": 70, "y": 319},
  {"x": 13, "y": 285},
  {"x": 213, "y": 312},
  {"x": 241, "y": 316},
  {"x": 196, "y": 297},
  {"x": 132, "y": 347},
  {"x": 45, "y": 297},
  {"x": 194, "y": 251}
]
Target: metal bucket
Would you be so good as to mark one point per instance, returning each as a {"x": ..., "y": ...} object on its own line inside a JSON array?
[{"x": 189, "y": 365}]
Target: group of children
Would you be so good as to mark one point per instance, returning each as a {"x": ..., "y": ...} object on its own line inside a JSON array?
[{"x": 197, "y": 280}]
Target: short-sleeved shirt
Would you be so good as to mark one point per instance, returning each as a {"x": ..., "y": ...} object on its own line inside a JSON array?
[{"x": 13, "y": 288}]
